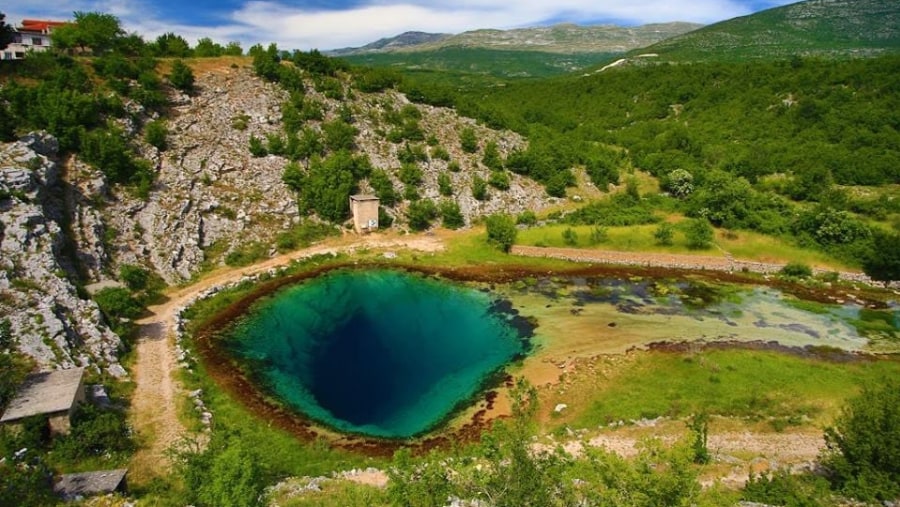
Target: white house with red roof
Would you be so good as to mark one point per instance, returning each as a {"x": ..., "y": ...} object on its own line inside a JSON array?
[{"x": 33, "y": 35}]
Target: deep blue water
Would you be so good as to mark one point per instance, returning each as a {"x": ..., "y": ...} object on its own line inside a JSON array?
[{"x": 382, "y": 353}]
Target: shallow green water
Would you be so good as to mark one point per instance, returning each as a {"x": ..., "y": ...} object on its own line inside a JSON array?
[{"x": 380, "y": 353}]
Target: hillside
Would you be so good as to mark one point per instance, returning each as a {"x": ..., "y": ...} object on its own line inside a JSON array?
[
  {"x": 566, "y": 38},
  {"x": 519, "y": 53},
  {"x": 834, "y": 28},
  {"x": 394, "y": 43}
]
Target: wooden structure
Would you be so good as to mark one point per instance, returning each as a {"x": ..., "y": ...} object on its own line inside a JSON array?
[
  {"x": 77, "y": 486},
  {"x": 365, "y": 212},
  {"x": 54, "y": 394}
]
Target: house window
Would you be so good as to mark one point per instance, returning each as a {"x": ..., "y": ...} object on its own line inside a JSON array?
[
  {"x": 37, "y": 41},
  {"x": 20, "y": 54},
  {"x": 7, "y": 55}
]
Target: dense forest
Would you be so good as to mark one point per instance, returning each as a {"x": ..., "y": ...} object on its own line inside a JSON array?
[{"x": 807, "y": 149}]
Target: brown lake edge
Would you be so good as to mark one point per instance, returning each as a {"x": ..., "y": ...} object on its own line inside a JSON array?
[{"x": 224, "y": 371}]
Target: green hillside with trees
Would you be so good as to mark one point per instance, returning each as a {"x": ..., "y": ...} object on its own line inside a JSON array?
[{"x": 832, "y": 28}]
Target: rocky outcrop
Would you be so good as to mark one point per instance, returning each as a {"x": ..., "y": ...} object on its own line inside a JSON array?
[{"x": 50, "y": 322}]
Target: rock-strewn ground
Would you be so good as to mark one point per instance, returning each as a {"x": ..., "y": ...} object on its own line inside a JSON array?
[{"x": 210, "y": 193}]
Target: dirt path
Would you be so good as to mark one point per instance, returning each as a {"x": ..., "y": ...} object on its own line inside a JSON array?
[
  {"x": 725, "y": 262},
  {"x": 157, "y": 395}
]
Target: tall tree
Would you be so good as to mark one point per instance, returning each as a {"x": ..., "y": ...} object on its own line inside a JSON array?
[
  {"x": 6, "y": 32},
  {"x": 91, "y": 30}
]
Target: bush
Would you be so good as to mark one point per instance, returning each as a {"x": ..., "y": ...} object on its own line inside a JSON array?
[
  {"x": 570, "y": 237},
  {"x": 451, "y": 217},
  {"x": 796, "y": 270},
  {"x": 699, "y": 234},
  {"x": 467, "y": 140},
  {"x": 421, "y": 213},
  {"x": 257, "y": 149},
  {"x": 479, "y": 188},
  {"x": 526, "y": 217},
  {"x": 785, "y": 489},
  {"x": 155, "y": 134},
  {"x": 95, "y": 432},
  {"x": 445, "y": 185},
  {"x": 501, "y": 231},
  {"x": 863, "y": 447},
  {"x": 499, "y": 180},
  {"x": 134, "y": 277},
  {"x": 664, "y": 234}
]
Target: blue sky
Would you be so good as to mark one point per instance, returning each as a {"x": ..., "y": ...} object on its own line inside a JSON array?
[{"x": 306, "y": 24}]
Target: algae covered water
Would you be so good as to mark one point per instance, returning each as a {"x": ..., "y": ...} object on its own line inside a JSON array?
[{"x": 381, "y": 353}]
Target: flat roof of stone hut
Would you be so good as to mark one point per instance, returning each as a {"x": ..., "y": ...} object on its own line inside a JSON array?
[
  {"x": 75, "y": 486},
  {"x": 47, "y": 392},
  {"x": 364, "y": 197}
]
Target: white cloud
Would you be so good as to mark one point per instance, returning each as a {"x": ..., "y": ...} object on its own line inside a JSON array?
[{"x": 296, "y": 27}]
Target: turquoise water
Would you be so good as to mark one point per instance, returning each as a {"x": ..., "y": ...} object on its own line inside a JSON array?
[{"x": 382, "y": 353}]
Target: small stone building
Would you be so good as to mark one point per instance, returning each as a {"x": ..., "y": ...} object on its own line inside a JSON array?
[
  {"x": 55, "y": 394},
  {"x": 365, "y": 212},
  {"x": 73, "y": 487}
]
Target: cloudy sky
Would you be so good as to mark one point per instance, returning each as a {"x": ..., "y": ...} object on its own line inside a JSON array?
[{"x": 306, "y": 24}]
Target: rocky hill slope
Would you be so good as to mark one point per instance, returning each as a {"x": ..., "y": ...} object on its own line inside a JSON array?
[
  {"x": 50, "y": 320},
  {"x": 562, "y": 38}
]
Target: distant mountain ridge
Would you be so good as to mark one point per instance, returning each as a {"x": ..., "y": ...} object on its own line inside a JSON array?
[
  {"x": 562, "y": 38},
  {"x": 397, "y": 42},
  {"x": 810, "y": 28}
]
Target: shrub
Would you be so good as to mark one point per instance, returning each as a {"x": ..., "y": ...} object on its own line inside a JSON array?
[
  {"x": 499, "y": 180},
  {"x": 467, "y": 140},
  {"x": 445, "y": 185},
  {"x": 479, "y": 188},
  {"x": 135, "y": 277},
  {"x": 421, "y": 213},
  {"x": 699, "y": 234},
  {"x": 95, "y": 432},
  {"x": 796, "y": 270},
  {"x": 257, "y": 149},
  {"x": 501, "y": 231},
  {"x": 451, "y": 216},
  {"x": 664, "y": 234},
  {"x": 863, "y": 447},
  {"x": 526, "y": 217},
  {"x": 155, "y": 134},
  {"x": 599, "y": 235},
  {"x": 570, "y": 237}
]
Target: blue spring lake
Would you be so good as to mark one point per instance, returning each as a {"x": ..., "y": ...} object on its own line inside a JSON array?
[{"x": 380, "y": 353}]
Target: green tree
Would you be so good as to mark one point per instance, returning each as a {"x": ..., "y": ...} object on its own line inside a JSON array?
[
  {"x": 135, "y": 277},
  {"x": 95, "y": 31},
  {"x": 181, "y": 76},
  {"x": 171, "y": 45},
  {"x": 339, "y": 135},
  {"x": 329, "y": 184},
  {"x": 421, "y": 213},
  {"x": 207, "y": 48},
  {"x": 26, "y": 483},
  {"x": 6, "y": 32},
  {"x": 451, "y": 216},
  {"x": 155, "y": 133},
  {"x": 234, "y": 48},
  {"x": 235, "y": 479},
  {"x": 883, "y": 260},
  {"x": 384, "y": 187},
  {"x": 410, "y": 174},
  {"x": 117, "y": 303},
  {"x": 863, "y": 447},
  {"x": 699, "y": 234},
  {"x": 491, "y": 158},
  {"x": 501, "y": 231},
  {"x": 499, "y": 180}
]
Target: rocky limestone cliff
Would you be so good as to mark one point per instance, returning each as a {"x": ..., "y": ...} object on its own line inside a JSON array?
[
  {"x": 50, "y": 322},
  {"x": 211, "y": 195}
]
